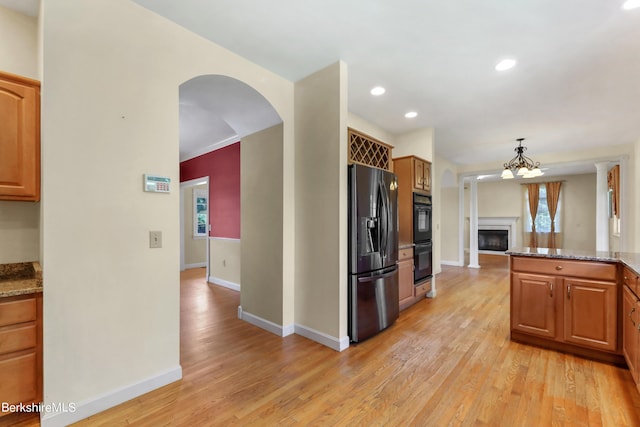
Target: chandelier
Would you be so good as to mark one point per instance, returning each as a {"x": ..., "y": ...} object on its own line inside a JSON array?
[{"x": 521, "y": 165}]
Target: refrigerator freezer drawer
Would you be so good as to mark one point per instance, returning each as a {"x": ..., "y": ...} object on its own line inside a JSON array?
[{"x": 373, "y": 303}]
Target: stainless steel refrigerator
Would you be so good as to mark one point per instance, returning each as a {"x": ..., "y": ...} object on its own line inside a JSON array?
[{"x": 373, "y": 251}]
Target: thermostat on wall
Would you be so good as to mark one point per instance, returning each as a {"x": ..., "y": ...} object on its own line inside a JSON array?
[{"x": 156, "y": 184}]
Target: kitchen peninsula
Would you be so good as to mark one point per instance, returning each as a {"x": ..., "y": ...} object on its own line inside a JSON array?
[{"x": 576, "y": 301}]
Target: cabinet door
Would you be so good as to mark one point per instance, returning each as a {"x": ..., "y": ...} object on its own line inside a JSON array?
[
  {"x": 533, "y": 302},
  {"x": 426, "y": 180},
  {"x": 590, "y": 313},
  {"x": 630, "y": 331},
  {"x": 405, "y": 281},
  {"x": 19, "y": 141},
  {"x": 418, "y": 174}
]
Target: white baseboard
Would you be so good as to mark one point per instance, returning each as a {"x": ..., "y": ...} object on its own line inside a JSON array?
[
  {"x": 281, "y": 331},
  {"x": 337, "y": 344},
  {"x": 195, "y": 265},
  {"x": 453, "y": 263},
  {"x": 91, "y": 407},
  {"x": 224, "y": 283}
]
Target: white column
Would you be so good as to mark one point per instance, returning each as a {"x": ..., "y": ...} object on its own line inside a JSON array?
[
  {"x": 461, "y": 212},
  {"x": 602, "y": 213},
  {"x": 473, "y": 223}
]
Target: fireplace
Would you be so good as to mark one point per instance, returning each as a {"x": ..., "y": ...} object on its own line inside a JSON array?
[{"x": 493, "y": 240}]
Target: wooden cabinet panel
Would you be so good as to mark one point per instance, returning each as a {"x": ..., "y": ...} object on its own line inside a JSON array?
[
  {"x": 533, "y": 304},
  {"x": 557, "y": 267},
  {"x": 21, "y": 349},
  {"x": 14, "y": 311},
  {"x": 19, "y": 379},
  {"x": 420, "y": 290},
  {"x": 16, "y": 339},
  {"x": 630, "y": 334},
  {"x": 590, "y": 313},
  {"x": 19, "y": 138},
  {"x": 630, "y": 279},
  {"x": 405, "y": 282}
]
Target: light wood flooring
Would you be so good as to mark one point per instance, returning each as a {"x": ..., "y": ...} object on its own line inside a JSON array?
[{"x": 446, "y": 361}]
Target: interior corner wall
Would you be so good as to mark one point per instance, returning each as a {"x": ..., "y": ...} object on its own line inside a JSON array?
[
  {"x": 262, "y": 241},
  {"x": 110, "y": 112},
  {"x": 321, "y": 202},
  {"x": 223, "y": 169},
  {"x": 19, "y": 221}
]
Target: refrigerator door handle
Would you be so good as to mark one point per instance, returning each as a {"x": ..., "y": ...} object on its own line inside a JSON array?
[
  {"x": 377, "y": 277},
  {"x": 384, "y": 199}
]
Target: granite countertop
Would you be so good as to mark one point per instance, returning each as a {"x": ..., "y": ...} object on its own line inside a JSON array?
[
  {"x": 20, "y": 278},
  {"x": 630, "y": 259},
  {"x": 405, "y": 245}
]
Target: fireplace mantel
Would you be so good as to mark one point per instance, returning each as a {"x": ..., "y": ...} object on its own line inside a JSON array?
[{"x": 500, "y": 223}]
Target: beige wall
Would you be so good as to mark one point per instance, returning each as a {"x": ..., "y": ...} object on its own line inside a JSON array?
[
  {"x": 19, "y": 221},
  {"x": 112, "y": 68},
  {"x": 261, "y": 224},
  {"x": 321, "y": 202},
  {"x": 195, "y": 248},
  {"x": 505, "y": 199},
  {"x": 447, "y": 229},
  {"x": 224, "y": 261}
]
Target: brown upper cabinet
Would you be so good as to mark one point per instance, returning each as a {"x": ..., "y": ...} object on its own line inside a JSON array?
[
  {"x": 420, "y": 171},
  {"x": 19, "y": 138}
]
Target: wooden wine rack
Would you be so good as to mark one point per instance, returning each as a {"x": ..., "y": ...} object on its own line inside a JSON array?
[{"x": 366, "y": 150}]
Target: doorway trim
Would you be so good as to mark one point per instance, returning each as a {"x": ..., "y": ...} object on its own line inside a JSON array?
[{"x": 184, "y": 185}]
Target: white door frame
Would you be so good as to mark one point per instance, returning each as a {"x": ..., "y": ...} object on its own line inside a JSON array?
[{"x": 188, "y": 184}]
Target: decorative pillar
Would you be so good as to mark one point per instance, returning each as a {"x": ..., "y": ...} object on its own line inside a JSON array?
[
  {"x": 473, "y": 223},
  {"x": 602, "y": 211}
]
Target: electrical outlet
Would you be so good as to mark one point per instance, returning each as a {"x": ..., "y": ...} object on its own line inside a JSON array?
[{"x": 155, "y": 239}]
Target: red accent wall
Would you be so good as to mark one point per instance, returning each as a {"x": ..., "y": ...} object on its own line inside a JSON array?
[{"x": 223, "y": 169}]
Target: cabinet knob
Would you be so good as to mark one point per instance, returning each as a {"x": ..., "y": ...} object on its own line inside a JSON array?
[{"x": 558, "y": 267}]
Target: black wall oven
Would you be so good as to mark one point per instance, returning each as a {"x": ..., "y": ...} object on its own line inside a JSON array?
[
  {"x": 421, "y": 218},
  {"x": 422, "y": 251}
]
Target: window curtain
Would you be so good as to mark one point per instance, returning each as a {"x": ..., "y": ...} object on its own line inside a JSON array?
[
  {"x": 614, "y": 185},
  {"x": 553, "y": 195},
  {"x": 534, "y": 195}
]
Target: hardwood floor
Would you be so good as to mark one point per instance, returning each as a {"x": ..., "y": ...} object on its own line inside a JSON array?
[{"x": 446, "y": 361}]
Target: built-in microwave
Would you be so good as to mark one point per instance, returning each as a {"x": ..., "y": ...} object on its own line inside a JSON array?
[{"x": 421, "y": 218}]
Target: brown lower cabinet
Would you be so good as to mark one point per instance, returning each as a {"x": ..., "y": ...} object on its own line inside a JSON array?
[
  {"x": 21, "y": 349},
  {"x": 567, "y": 305},
  {"x": 631, "y": 331},
  {"x": 405, "y": 277}
]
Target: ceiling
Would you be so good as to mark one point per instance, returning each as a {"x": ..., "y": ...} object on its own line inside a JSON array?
[{"x": 575, "y": 85}]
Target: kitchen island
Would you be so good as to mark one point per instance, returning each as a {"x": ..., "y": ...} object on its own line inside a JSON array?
[
  {"x": 581, "y": 302},
  {"x": 20, "y": 334}
]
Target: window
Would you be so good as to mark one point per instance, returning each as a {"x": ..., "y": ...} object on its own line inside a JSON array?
[
  {"x": 543, "y": 218},
  {"x": 200, "y": 212}
]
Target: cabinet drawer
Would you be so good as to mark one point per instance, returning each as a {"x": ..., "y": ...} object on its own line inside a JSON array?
[
  {"x": 421, "y": 289},
  {"x": 561, "y": 267},
  {"x": 17, "y": 311},
  {"x": 16, "y": 339},
  {"x": 405, "y": 254},
  {"x": 630, "y": 278},
  {"x": 18, "y": 379}
]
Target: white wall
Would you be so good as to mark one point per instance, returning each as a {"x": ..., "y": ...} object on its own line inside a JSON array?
[
  {"x": 111, "y": 304},
  {"x": 321, "y": 205},
  {"x": 19, "y": 221}
]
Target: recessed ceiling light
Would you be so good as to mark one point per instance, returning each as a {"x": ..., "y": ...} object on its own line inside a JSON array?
[
  {"x": 505, "y": 64},
  {"x": 377, "y": 91},
  {"x": 411, "y": 115},
  {"x": 631, "y": 4}
]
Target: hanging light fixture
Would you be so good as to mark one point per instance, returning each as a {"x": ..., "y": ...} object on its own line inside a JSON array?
[{"x": 521, "y": 165}]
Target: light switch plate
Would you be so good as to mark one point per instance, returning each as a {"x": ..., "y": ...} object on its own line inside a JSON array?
[{"x": 155, "y": 239}]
